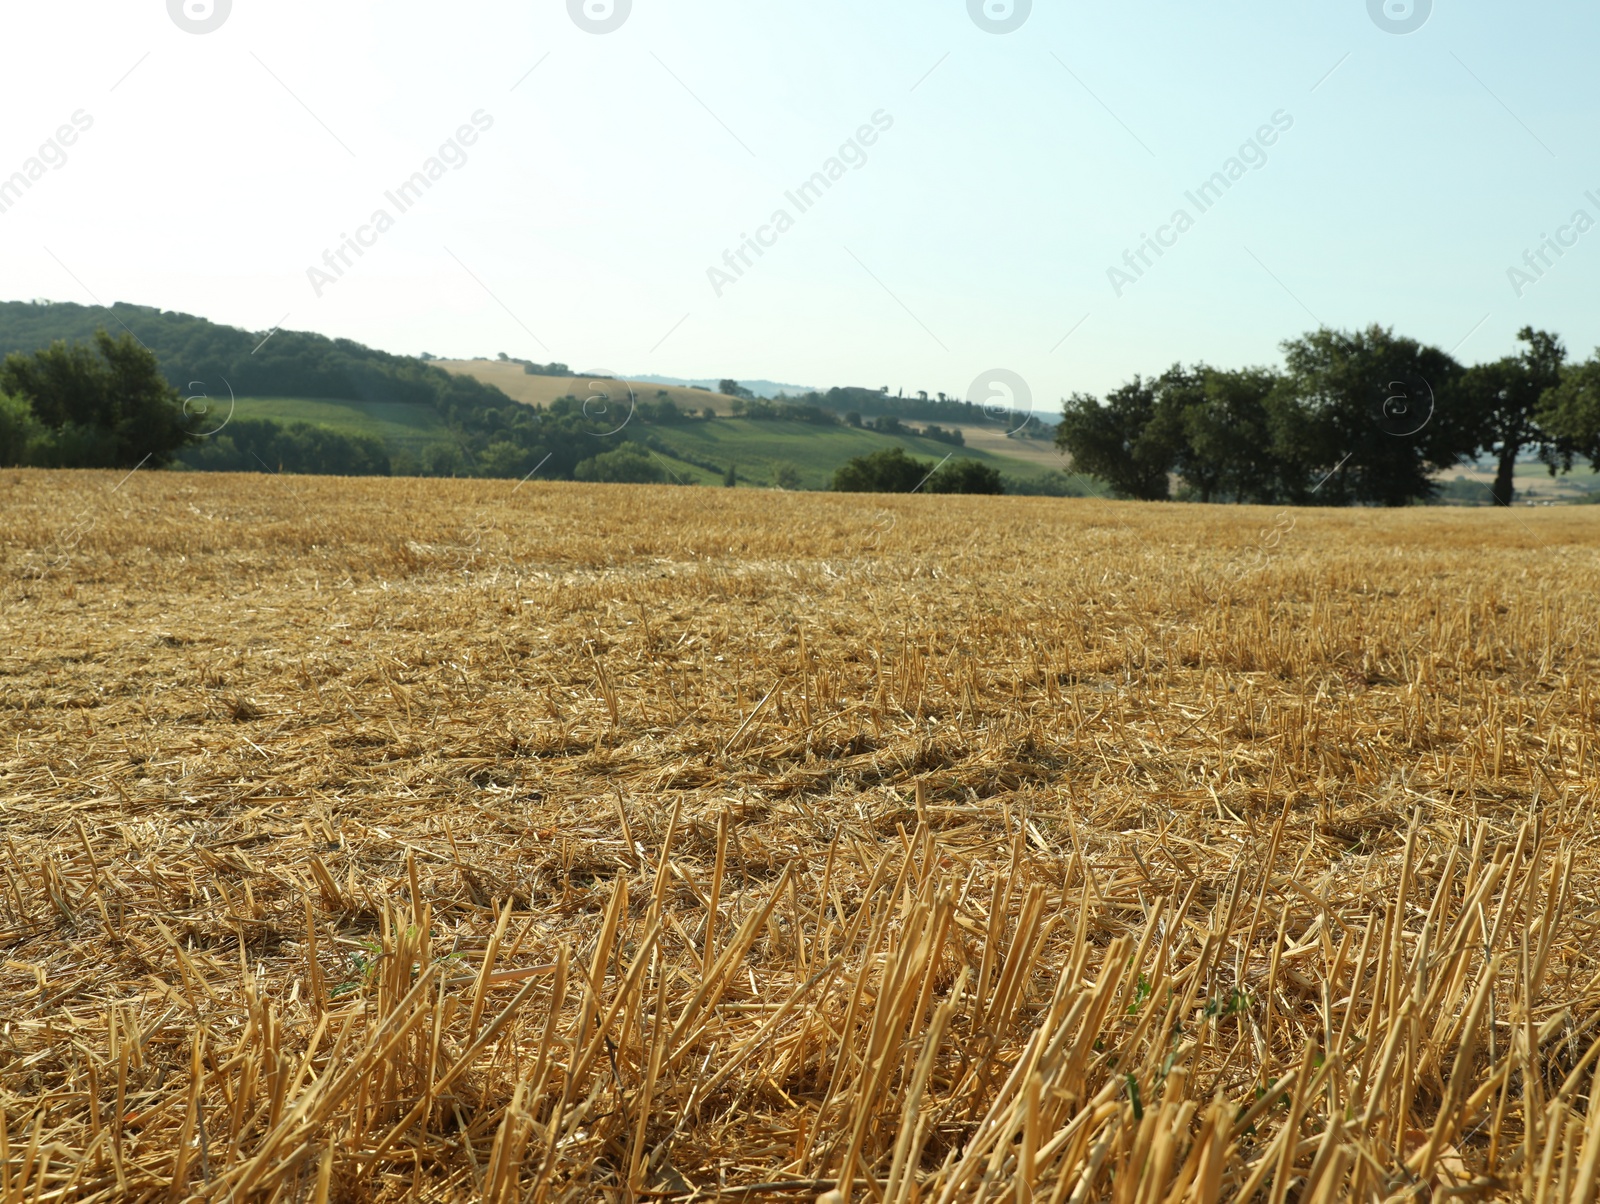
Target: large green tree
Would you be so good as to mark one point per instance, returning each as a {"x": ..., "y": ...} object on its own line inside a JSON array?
[
  {"x": 886, "y": 471},
  {"x": 1221, "y": 423},
  {"x": 20, "y": 432},
  {"x": 1119, "y": 441},
  {"x": 625, "y": 464},
  {"x": 963, "y": 475},
  {"x": 1503, "y": 399},
  {"x": 1365, "y": 412},
  {"x": 104, "y": 404},
  {"x": 1570, "y": 412}
]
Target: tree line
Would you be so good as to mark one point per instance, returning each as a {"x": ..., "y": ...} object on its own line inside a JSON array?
[
  {"x": 1352, "y": 418},
  {"x": 133, "y": 398}
]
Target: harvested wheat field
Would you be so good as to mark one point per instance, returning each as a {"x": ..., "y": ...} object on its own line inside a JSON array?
[{"x": 391, "y": 840}]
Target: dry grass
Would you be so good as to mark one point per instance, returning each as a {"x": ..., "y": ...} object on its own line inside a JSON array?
[
  {"x": 511, "y": 380},
  {"x": 390, "y": 840}
]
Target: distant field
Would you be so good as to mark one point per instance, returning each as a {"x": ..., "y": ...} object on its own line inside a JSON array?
[
  {"x": 1036, "y": 452},
  {"x": 542, "y": 390},
  {"x": 1534, "y": 483},
  {"x": 397, "y": 423},
  {"x": 758, "y": 448}
]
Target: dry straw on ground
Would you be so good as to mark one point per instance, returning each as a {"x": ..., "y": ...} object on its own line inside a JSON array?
[{"x": 391, "y": 840}]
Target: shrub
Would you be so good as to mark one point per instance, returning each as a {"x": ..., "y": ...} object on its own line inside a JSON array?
[
  {"x": 786, "y": 476},
  {"x": 20, "y": 432},
  {"x": 262, "y": 445},
  {"x": 965, "y": 476},
  {"x": 886, "y": 471},
  {"x": 628, "y": 464},
  {"x": 105, "y": 404}
]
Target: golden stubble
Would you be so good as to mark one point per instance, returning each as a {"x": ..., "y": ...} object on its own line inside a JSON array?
[{"x": 434, "y": 840}]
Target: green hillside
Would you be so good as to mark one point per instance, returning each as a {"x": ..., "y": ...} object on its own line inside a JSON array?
[
  {"x": 399, "y": 424},
  {"x": 694, "y": 452},
  {"x": 429, "y": 420},
  {"x": 378, "y": 412},
  {"x": 759, "y": 448}
]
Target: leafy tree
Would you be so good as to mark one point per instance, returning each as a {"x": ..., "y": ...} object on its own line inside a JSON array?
[
  {"x": 298, "y": 364},
  {"x": 1504, "y": 399},
  {"x": 893, "y": 471},
  {"x": 627, "y": 464},
  {"x": 730, "y": 479},
  {"x": 1052, "y": 484},
  {"x": 886, "y": 471},
  {"x": 732, "y": 388},
  {"x": 105, "y": 405},
  {"x": 663, "y": 410},
  {"x": 1370, "y": 404},
  {"x": 965, "y": 476},
  {"x": 504, "y": 458},
  {"x": 767, "y": 411},
  {"x": 1119, "y": 442},
  {"x": 938, "y": 433},
  {"x": 1571, "y": 412},
  {"x": 786, "y": 476},
  {"x": 261, "y": 445},
  {"x": 1227, "y": 451},
  {"x": 20, "y": 432},
  {"x": 443, "y": 460}
]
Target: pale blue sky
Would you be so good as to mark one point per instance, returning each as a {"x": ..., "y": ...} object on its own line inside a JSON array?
[{"x": 1019, "y": 168}]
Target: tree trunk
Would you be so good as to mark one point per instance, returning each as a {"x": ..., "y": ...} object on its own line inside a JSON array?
[{"x": 1503, "y": 487}]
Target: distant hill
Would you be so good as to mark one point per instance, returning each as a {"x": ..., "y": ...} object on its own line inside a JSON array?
[
  {"x": 769, "y": 389},
  {"x": 197, "y": 353},
  {"x": 764, "y": 447},
  {"x": 453, "y": 424},
  {"x": 541, "y": 389},
  {"x": 297, "y": 401}
]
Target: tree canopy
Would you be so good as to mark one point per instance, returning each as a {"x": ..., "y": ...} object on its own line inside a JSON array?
[
  {"x": 102, "y": 404},
  {"x": 1361, "y": 417},
  {"x": 893, "y": 471}
]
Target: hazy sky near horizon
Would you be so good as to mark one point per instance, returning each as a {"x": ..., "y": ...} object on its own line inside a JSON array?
[{"x": 620, "y": 171}]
